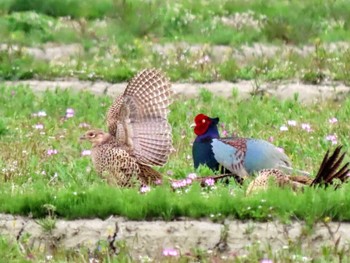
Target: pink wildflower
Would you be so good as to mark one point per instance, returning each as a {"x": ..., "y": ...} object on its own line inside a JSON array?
[
  {"x": 266, "y": 260},
  {"x": 333, "y": 120},
  {"x": 39, "y": 126},
  {"x": 283, "y": 128},
  {"x": 69, "y": 113},
  {"x": 86, "y": 152},
  {"x": 145, "y": 189},
  {"x": 271, "y": 139},
  {"x": 209, "y": 181},
  {"x": 52, "y": 152},
  {"x": 280, "y": 149},
  {"x": 170, "y": 252},
  {"x": 292, "y": 123},
  {"x": 192, "y": 176},
  {"x": 39, "y": 114},
  {"x": 306, "y": 127},
  {"x": 84, "y": 125},
  {"x": 42, "y": 114},
  {"x": 333, "y": 138},
  {"x": 158, "y": 182}
]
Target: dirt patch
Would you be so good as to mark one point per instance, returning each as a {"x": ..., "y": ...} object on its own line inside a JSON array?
[
  {"x": 151, "y": 237},
  {"x": 287, "y": 90}
]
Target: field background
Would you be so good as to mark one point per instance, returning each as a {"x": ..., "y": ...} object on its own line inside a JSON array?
[{"x": 45, "y": 172}]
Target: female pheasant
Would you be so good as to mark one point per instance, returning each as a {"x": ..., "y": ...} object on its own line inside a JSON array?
[
  {"x": 139, "y": 134},
  {"x": 328, "y": 171},
  {"x": 241, "y": 156}
]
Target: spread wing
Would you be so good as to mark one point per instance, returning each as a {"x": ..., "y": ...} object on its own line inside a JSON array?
[{"x": 138, "y": 117}]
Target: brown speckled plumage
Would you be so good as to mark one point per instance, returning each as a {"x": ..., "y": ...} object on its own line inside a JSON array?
[
  {"x": 139, "y": 134},
  {"x": 328, "y": 171}
]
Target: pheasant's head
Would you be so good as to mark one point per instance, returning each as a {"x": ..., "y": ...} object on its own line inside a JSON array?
[
  {"x": 96, "y": 137},
  {"x": 202, "y": 123}
]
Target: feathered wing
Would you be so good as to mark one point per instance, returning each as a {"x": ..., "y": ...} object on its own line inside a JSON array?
[
  {"x": 138, "y": 118},
  {"x": 230, "y": 153},
  {"x": 244, "y": 156}
]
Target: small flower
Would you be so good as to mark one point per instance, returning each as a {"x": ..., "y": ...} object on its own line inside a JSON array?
[
  {"x": 52, "y": 152},
  {"x": 280, "y": 149},
  {"x": 266, "y": 260},
  {"x": 69, "y": 113},
  {"x": 145, "y": 189},
  {"x": 192, "y": 176},
  {"x": 271, "y": 139},
  {"x": 292, "y": 123},
  {"x": 86, "y": 152},
  {"x": 170, "y": 172},
  {"x": 84, "y": 125},
  {"x": 333, "y": 138},
  {"x": 333, "y": 120},
  {"x": 41, "y": 114},
  {"x": 170, "y": 252},
  {"x": 158, "y": 182},
  {"x": 306, "y": 127},
  {"x": 38, "y": 126},
  {"x": 224, "y": 133},
  {"x": 175, "y": 185},
  {"x": 188, "y": 181},
  {"x": 283, "y": 128},
  {"x": 209, "y": 181}
]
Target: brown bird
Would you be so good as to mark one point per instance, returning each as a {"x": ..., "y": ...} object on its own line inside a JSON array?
[
  {"x": 139, "y": 134},
  {"x": 328, "y": 171}
]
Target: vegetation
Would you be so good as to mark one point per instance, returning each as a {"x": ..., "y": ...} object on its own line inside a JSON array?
[
  {"x": 47, "y": 173},
  {"x": 112, "y": 39},
  {"x": 43, "y": 163}
]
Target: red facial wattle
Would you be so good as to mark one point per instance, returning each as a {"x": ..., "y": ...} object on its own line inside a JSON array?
[{"x": 202, "y": 124}]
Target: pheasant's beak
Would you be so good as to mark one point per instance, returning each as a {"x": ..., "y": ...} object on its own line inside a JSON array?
[{"x": 192, "y": 125}]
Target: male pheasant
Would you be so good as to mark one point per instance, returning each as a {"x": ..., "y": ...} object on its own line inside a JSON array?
[
  {"x": 328, "y": 171},
  {"x": 240, "y": 156},
  {"x": 139, "y": 134}
]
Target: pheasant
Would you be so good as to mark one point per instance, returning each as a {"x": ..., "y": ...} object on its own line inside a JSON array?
[
  {"x": 139, "y": 135},
  {"x": 240, "y": 156},
  {"x": 328, "y": 171}
]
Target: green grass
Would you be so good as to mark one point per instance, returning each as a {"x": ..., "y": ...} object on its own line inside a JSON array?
[
  {"x": 31, "y": 179},
  {"x": 116, "y": 65},
  {"x": 200, "y": 21},
  {"x": 117, "y": 38},
  {"x": 21, "y": 251}
]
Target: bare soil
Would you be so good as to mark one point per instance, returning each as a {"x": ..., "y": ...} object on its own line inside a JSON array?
[{"x": 151, "y": 237}]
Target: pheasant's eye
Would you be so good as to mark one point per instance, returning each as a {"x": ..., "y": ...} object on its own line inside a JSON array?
[{"x": 91, "y": 134}]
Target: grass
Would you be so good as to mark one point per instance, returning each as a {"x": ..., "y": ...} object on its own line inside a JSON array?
[
  {"x": 256, "y": 252},
  {"x": 42, "y": 163},
  {"x": 116, "y": 65},
  {"x": 200, "y": 21},
  {"x": 117, "y": 39}
]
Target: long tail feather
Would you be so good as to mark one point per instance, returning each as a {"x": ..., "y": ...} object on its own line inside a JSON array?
[{"x": 329, "y": 169}]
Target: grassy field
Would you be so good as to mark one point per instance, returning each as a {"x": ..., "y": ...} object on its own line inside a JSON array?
[
  {"x": 43, "y": 162},
  {"x": 118, "y": 38},
  {"x": 46, "y": 173}
]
